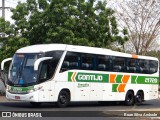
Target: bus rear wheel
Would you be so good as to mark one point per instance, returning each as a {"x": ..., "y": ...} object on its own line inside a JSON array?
[
  {"x": 129, "y": 99},
  {"x": 63, "y": 99},
  {"x": 139, "y": 98}
]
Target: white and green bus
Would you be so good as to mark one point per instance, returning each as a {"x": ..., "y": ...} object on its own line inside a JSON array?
[{"x": 64, "y": 73}]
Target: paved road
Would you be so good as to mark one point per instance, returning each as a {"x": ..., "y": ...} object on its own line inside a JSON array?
[
  {"x": 6, "y": 105},
  {"x": 83, "y": 108}
]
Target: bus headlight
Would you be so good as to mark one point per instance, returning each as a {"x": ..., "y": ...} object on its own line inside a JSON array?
[
  {"x": 30, "y": 91},
  {"x": 8, "y": 88}
]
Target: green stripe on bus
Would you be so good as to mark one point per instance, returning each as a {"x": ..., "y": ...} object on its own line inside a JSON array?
[
  {"x": 145, "y": 80},
  {"x": 88, "y": 77},
  {"x": 119, "y": 78},
  {"x": 94, "y": 77},
  {"x": 133, "y": 79},
  {"x": 69, "y": 76},
  {"x": 21, "y": 89},
  {"x": 114, "y": 87}
]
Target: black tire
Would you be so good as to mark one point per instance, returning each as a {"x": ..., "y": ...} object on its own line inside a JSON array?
[
  {"x": 129, "y": 99},
  {"x": 108, "y": 102},
  {"x": 63, "y": 99},
  {"x": 139, "y": 98},
  {"x": 35, "y": 104},
  {"x": 102, "y": 102}
]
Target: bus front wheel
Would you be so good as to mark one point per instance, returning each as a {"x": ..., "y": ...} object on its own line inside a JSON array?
[
  {"x": 63, "y": 99},
  {"x": 129, "y": 99}
]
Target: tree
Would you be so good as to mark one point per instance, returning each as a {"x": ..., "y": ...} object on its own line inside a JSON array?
[
  {"x": 142, "y": 19},
  {"x": 73, "y": 22},
  {"x": 9, "y": 40},
  {"x": 154, "y": 54}
]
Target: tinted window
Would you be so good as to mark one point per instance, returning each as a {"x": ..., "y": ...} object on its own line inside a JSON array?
[
  {"x": 153, "y": 66},
  {"x": 47, "y": 70},
  {"x": 103, "y": 63},
  {"x": 143, "y": 66},
  {"x": 118, "y": 64},
  {"x": 55, "y": 54},
  {"x": 87, "y": 62},
  {"x": 71, "y": 61},
  {"x": 131, "y": 65},
  {"x": 48, "y": 67},
  {"x": 84, "y": 61}
]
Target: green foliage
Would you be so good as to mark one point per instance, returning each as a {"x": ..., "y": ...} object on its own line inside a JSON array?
[
  {"x": 79, "y": 22},
  {"x": 9, "y": 40},
  {"x": 154, "y": 54}
]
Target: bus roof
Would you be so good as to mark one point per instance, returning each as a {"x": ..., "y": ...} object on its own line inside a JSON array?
[
  {"x": 41, "y": 48},
  {"x": 76, "y": 48}
]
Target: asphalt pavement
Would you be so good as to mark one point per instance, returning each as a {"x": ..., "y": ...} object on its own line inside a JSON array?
[{"x": 88, "y": 110}]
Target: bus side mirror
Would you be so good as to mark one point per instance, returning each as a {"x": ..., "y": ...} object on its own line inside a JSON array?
[
  {"x": 38, "y": 61},
  {"x": 3, "y": 62}
]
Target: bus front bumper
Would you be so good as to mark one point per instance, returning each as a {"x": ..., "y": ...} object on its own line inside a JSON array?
[{"x": 31, "y": 97}]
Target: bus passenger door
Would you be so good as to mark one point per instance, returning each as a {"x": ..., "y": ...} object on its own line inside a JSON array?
[
  {"x": 46, "y": 73},
  {"x": 96, "y": 92},
  {"x": 45, "y": 92}
]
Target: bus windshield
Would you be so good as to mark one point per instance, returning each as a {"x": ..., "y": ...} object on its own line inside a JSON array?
[{"x": 22, "y": 69}]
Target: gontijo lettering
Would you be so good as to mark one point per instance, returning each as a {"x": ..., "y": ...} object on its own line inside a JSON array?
[
  {"x": 87, "y": 77},
  {"x": 90, "y": 77}
]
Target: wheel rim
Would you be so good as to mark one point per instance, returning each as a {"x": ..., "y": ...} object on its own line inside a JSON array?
[
  {"x": 63, "y": 99},
  {"x": 139, "y": 98},
  {"x": 130, "y": 98}
]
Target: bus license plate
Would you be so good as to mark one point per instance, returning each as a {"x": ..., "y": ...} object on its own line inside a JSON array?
[{"x": 17, "y": 97}]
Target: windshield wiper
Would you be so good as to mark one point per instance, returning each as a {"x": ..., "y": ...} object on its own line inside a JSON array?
[{"x": 18, "y": 75}]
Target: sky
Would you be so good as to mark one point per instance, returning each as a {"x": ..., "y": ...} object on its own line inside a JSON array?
[{"x": 12, "y": 4}]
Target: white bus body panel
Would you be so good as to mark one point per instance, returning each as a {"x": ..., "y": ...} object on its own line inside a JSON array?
[{"x": 31, "y": 97}]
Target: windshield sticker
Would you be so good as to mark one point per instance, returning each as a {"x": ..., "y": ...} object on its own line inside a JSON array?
[
  {"x": 21, "y": 82},
  {"x": 20, "y": 55}
]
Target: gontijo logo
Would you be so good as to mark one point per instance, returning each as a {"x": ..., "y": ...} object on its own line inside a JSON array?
[
  {"x": 90, "y": 77},
  {"x": 87, "y": 77}
]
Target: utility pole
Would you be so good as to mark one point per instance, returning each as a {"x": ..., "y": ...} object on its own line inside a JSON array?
[
  {"x": 3, "y": 8},
  {"x": 3, "y": 16}
]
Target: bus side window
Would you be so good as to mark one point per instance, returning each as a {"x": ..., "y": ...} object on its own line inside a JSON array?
[
  {"x": 118, "y": 64},
  {"x": 46, "y": 71},
  {"x": 103, "y": 63},
  {"x": 87, "y": 62},
  {"x": 153, "y": 66},
  {"x": 131, "y": 65},
  {"x": 143, "y": 66},
  {"x": 71, "y": 61}
]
